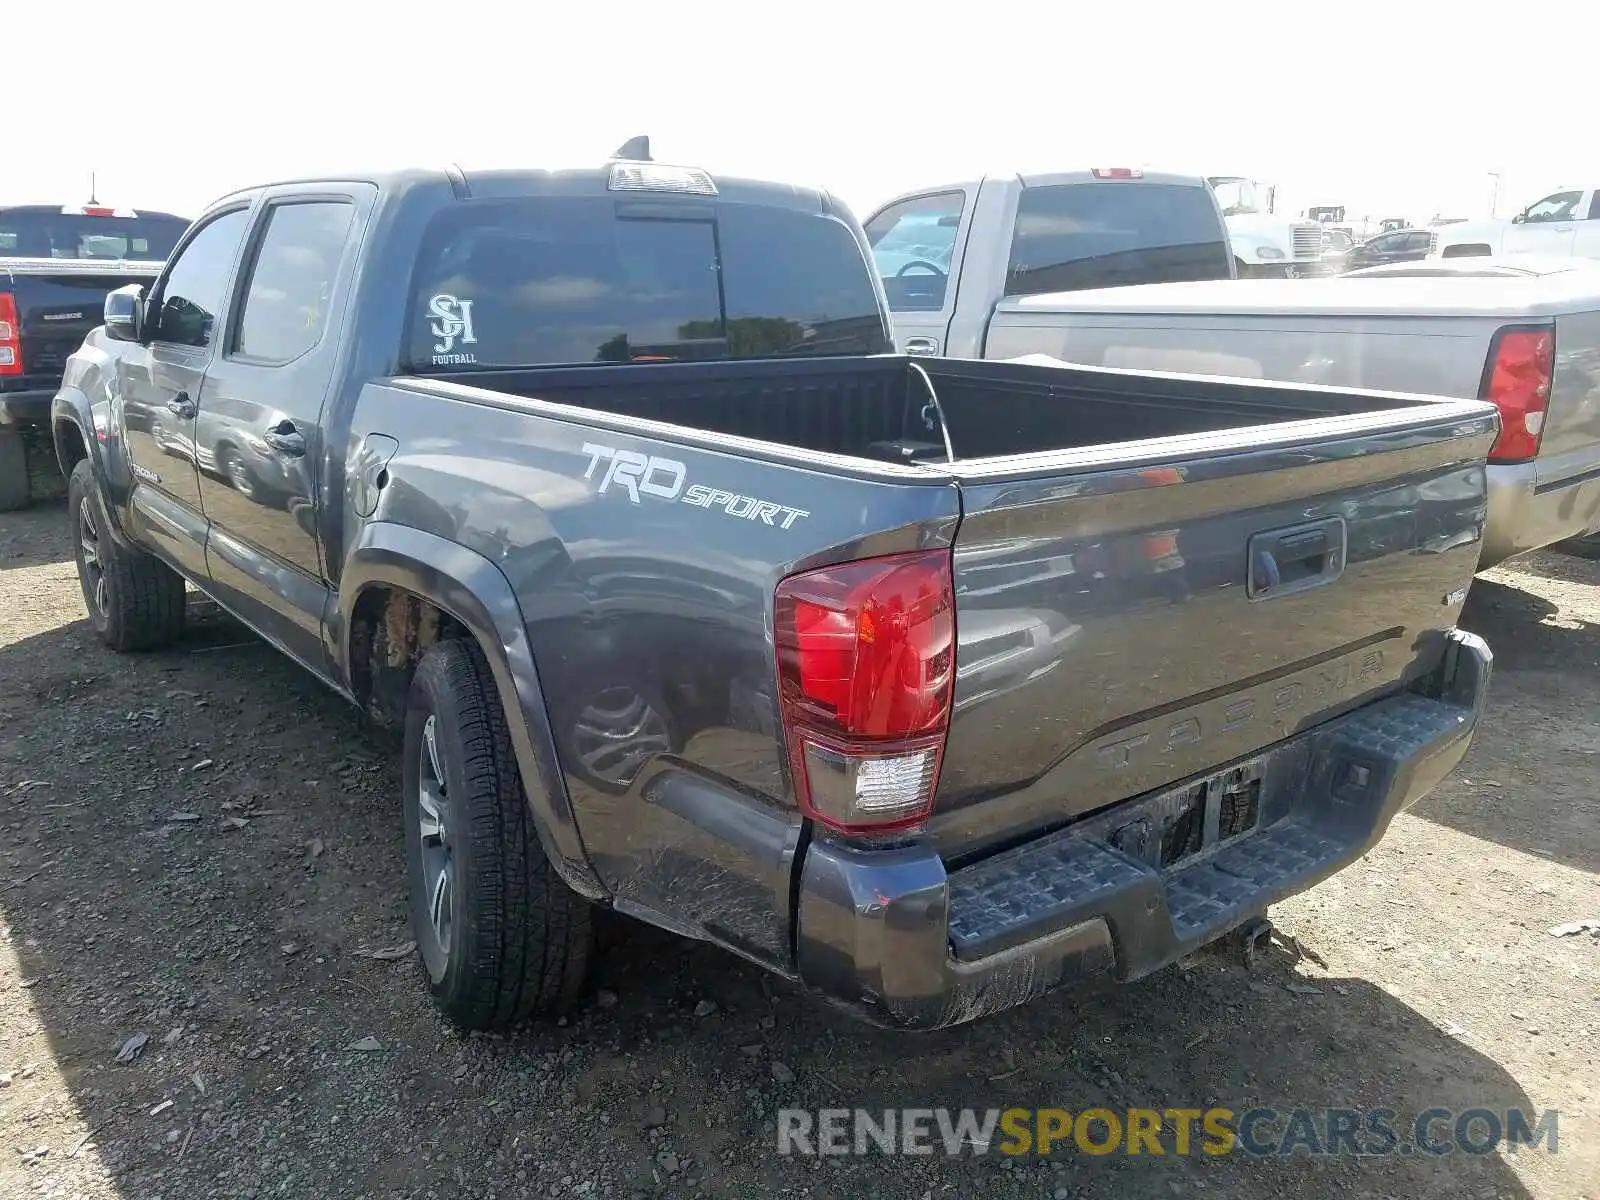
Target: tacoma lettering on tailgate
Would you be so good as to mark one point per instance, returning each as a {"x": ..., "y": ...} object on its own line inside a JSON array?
[
  {"x": 665, "y": 478},
  {"x": 1279, "y": 701}
]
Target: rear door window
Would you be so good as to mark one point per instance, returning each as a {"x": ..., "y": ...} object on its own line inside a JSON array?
[
  {"x": 1104, "y": 234},
  {"x": 569, "y": 280}
]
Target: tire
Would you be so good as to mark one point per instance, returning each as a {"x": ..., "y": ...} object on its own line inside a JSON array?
[
  {"x": 135, "y": 600},
  {"x": 512, "y": 940},
  {"x": 15, "y": 490}
]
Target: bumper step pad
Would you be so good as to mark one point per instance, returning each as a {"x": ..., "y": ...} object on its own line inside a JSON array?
[{"x": 1356, "y": 774}]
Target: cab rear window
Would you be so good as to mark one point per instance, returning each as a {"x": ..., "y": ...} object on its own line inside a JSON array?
[
  {"x": 35, "y": 233},
  {"x": 1104, "y": 234},
  {"x": 568, "y": 280}
]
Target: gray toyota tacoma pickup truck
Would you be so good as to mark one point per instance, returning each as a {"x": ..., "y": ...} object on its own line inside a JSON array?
[{"x": 930, "y": 684}]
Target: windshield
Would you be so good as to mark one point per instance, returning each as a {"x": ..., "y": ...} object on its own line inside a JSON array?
[
  {"x": 50, "y": 233},
  {"x": 570, "y": 280},
  {"x": 1236, "y": 196}
]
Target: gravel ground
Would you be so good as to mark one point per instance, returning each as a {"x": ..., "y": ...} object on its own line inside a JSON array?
[{"x": 201, "y": 848}]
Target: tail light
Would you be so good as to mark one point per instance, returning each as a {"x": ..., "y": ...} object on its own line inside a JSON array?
[
  {"x": 1517, "y": 382},
  {"x": 10, "y": 336},
  {"x": 866, "y": 668},
  {"x": 95, "y": 209},
  {"x": 1118, "y": 173}
]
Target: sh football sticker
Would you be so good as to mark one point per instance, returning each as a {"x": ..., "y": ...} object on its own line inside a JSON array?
[{"x": 451, "y": 323}]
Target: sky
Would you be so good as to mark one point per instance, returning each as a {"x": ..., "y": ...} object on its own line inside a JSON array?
[{"x": 1401, "y": 108}]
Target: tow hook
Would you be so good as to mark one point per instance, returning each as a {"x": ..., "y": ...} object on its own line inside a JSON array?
[{"x": 1254, "y": 939}]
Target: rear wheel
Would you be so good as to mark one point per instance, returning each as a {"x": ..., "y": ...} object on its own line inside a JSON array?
[
  {"x": 135, "y": 600},
  {"x": 15, "y": 490},
  {"x": 501, "y": 936}
]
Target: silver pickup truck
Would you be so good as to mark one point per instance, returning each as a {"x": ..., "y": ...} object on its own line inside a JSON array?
[
  {"x": 956, "y": 258},
  {"x": 1523, "y": 333}
]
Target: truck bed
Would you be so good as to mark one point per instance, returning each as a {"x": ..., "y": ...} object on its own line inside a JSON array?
[
  {"x": 877, "y": 407},
  {"x": 1155, "y": 575}
]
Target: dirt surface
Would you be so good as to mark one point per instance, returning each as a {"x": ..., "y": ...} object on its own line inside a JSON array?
[{"x": 201, "y": 846}]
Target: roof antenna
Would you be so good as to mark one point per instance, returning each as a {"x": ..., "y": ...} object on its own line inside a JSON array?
[
  {"x": 635, "y": 149},
  {"x": 93, "y": 203}
]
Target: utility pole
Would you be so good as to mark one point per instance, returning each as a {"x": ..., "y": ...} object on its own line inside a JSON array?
[{"x": 1494, "y": 197}]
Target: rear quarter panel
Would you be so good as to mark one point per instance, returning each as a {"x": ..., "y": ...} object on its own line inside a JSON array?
[{"x": 650, "y": 621}]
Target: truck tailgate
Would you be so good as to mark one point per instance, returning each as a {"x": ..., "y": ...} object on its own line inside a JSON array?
[
  {"x": 59, "y": 301},
  {"x": 1131, "y": 617}
]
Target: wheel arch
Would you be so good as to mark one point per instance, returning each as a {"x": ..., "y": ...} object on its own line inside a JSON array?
[
  {"x": 75, "y": 436},
  {"x": 72, "y": 433},
  {"x": 401, "y": 589}
]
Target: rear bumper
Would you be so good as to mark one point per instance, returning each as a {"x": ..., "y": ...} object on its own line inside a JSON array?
[
  {"x": 892, "y": 935},
  {"x": 1539, "y": 503},
  {"x": 30, "y": 407}
]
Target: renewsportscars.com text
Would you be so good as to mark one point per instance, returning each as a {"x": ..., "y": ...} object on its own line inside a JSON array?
[{"x": 1260, "y": 1132}]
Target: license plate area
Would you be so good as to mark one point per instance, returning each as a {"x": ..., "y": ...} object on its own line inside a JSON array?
[{"x": 1185, "y": 822}]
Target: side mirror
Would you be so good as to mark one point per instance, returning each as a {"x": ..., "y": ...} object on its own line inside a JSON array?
[
  {"x": 1519, "y": 218},
  {"x": 124, "y": 313}
]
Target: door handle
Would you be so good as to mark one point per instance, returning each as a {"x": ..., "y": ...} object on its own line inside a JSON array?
[
  {"x": 181, "y": 406},
  {"x": 922, "y": 345},
  {"x": 285, "y": 439}
]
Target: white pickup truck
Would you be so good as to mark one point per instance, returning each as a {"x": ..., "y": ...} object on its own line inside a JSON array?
[
  {"x": 961, "y": 261},
  {"x": 1564, "y": 222},
  {"x": 1522, "y": 332}
]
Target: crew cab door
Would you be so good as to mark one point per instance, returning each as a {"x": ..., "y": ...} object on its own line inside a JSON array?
[
  {"x": 259, "y": 437},
  {"x": 917, "y": 243},
  {"x": 1547, "y": 226},
  {"x": 160, "y": 383}
]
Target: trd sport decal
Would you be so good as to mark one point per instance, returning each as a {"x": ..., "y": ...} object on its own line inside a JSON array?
[{"x": 663, "y": 479}]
